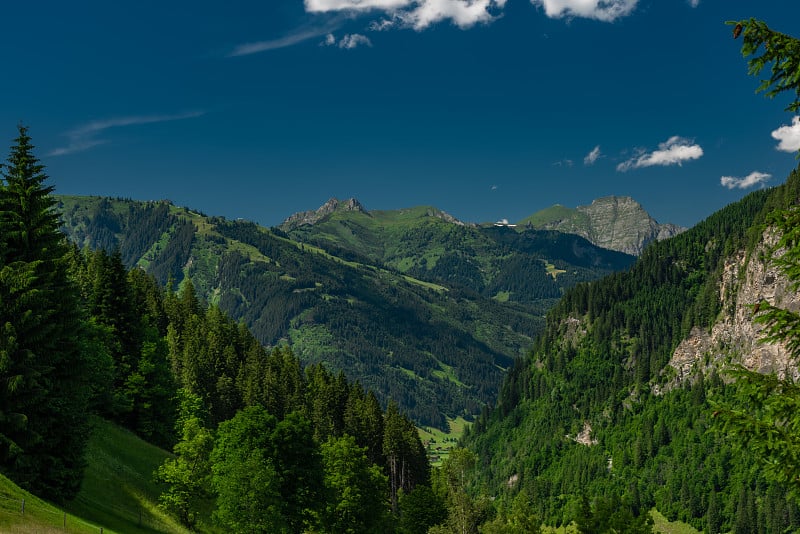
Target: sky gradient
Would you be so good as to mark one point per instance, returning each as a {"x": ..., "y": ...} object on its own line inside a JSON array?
[{"x": 487, "y": 109}]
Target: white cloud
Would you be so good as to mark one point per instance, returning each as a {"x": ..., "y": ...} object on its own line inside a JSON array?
[
  {"x": 85, "y": 137},
  {"x": 348, "y": 42},
  {"x": 417, "y": 14},
  {"x": 592, "y": 156},
  {"x": 674, "y": 151},
  {"x": 694, "y": 3},
  {"x": 382, "y": 25},
  {"x": 351, "y": 41},
  {"x": 604, "y": 10},
  {"x": 463, "y": 13},
  {"x": 563, "y": 163},
  {"x": 788, "y": 136},
  {"x": 752, "y": 179}
]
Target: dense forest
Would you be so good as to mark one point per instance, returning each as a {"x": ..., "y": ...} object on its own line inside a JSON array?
[
  {"x": 650, "y": 440},
  {"x": 409, "y": 323}
]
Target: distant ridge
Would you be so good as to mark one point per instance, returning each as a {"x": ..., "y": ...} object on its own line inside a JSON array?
[
  {"x": 615, "y": 223},
  {"x": 333, "y": 205}
]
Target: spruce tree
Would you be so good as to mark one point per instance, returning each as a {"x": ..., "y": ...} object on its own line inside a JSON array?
[{"x": 43, "y": 373}]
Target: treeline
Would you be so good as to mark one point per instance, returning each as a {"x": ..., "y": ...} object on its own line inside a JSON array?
[{"x": 602, "y": 362}]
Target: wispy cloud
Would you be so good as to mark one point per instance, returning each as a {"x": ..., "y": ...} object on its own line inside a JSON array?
[
  {"x": 694, "y": 3},
  {"x": 348, "y": 42},
  {"x": 87, "y": 136},
  {"x": 355, "y": 5},
  {"x": 592, "y": 156},
  {"x": 563, "y": 163},
  {"x": 273, "y": 44},
  {"x": 673, "y": 151},
  {"x": 751, "y": 180},
  {"x": 603, "y": 10},
  {"x": 788, "y": 136},
  {"x": 417, "y": 14}
]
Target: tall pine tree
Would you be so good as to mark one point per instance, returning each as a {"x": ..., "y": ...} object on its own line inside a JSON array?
[{"x": 43, "y": 374}]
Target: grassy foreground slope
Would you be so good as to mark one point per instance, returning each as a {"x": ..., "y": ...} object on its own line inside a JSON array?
[
  {"x": 118, "y": 492},
  {"x": 38, "y": 517}
]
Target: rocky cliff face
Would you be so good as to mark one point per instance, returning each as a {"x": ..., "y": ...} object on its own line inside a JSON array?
[
  {"x": 735, "y": 338},
  {"x": 314, "y": 216},
  {"x": 616, "y": 223}
]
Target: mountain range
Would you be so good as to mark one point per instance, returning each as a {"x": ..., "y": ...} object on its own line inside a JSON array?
[
  {"x": 416, "y": 305},
  {"x": 612, "y": 395}
]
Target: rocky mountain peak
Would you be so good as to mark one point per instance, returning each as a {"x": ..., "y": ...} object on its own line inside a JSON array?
[
  {"x": 435, "y": 212},
  {"x": 613, "y": 222},
  {"x": 621, "y": 223},
  {"x": 314, "y": 216}
]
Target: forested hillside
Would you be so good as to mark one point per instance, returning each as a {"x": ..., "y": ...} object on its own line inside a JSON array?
[
  {"x": 595, "y": 410},
  {"x": 433, "y": 325},
  {"x": 270, "y": 446},
  {"x": 606, "y": 420}
]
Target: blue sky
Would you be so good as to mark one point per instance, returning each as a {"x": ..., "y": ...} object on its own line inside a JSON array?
[{"x": 488, "y": 109}]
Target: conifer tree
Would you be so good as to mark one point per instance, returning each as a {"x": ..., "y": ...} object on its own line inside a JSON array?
[
  {"x": 43, "y": 373},
  {"x": 405, "y": 455}
]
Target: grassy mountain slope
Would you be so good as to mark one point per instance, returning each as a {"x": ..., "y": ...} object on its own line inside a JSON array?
[
  {"x": 596, "y": 410},
  {"x": 39, "y": 516},
  {"x": 118, "y": 493},
  {"x": 532, "y": 267},
  {"x": 437, "y": 351}
]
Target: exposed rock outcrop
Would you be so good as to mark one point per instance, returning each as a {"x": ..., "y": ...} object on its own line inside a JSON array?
[
  {"x": 735, "y": 338},
  {"x": 314, "y": 216},
  {"x": 434, "y": 212},
  {"x": 616, "y": 223}
]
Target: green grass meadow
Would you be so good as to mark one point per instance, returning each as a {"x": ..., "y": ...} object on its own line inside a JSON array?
[
  {"x": 439, "y": 443},
  {"x": 118, "y": 494}
]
